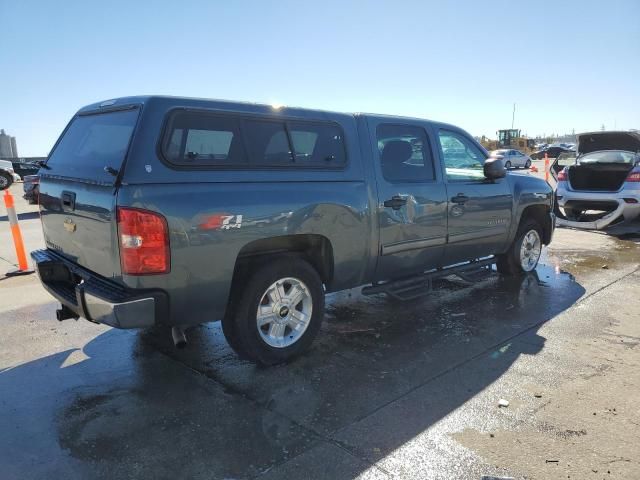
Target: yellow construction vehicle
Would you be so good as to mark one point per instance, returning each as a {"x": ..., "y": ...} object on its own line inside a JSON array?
[
  {"x": 512, "y": 138},
  {"x": 488, "y": 143}
]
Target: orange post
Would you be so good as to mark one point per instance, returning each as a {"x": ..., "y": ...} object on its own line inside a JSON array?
[
  {"x": 23, "y": 267},
  {"x": 546, "y": 167}
]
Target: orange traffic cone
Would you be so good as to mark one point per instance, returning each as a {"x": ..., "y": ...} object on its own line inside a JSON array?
[{"x": 23, "y": 267}]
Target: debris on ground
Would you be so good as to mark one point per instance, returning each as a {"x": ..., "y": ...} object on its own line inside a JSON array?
[
  {"x": 537, "y": 395},
  {"x": 605, "y": 267},
  {"x": 503, "y": 403}
]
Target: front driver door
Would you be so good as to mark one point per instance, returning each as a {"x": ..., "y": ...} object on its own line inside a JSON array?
[
  {"x": 479, "y": 210},
  {"x": 412, "y": 200}
]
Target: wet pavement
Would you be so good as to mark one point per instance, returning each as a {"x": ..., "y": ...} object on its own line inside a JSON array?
[{"x": 388, "y": 390}]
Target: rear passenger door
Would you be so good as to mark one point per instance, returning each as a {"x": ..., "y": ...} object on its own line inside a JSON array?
[
  {"x": 479, "y": 210},
  {"x": 412, "y": 199}
]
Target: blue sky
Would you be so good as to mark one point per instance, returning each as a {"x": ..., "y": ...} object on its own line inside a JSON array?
[{"x": 567, "y": 65}]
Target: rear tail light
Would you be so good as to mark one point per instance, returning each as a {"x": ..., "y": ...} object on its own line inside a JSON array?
[
  {"x": 634, "y": 176},
  {"x": 144, "y": 242},
  {"x": 562, "y": 175}
]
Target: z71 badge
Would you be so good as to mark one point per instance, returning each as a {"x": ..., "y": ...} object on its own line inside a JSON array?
[
  {"x": 231, "y": 221},
  {"x": 221, "y": 221}
]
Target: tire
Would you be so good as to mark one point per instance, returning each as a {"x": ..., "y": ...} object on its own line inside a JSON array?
[
  {"x": 5, "y": 180},
  {"x": 507, "y": 165},
  {"x": 527, "y": 164},
  {"x": 515, "y": 261},
  {"x": 284, "y": 334}
]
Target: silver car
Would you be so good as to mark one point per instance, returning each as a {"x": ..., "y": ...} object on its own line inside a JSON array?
[
  {"x": 512, "y": 158},
  {"x": 600, "y": 187},
  {"x": 7, "y": 174}
]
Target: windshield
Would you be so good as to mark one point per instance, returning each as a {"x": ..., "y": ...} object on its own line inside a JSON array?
[
  {"x": 93, "y": 142},
  {"x": 609, "y": 156},
  {"x": 498, "y": 152}
]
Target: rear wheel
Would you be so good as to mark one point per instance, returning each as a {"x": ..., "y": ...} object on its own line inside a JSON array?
[
  {"x": 278, "y": 313},
  {"x": 507, "y": 164},
  {"x": 524, "y": 252},
  {"x": 5, "y": 180},
  {"x": 527, "y": 163}
]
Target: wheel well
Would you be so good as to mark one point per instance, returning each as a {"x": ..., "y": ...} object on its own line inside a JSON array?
[
  {"x": 539, "y": 213},
  {"x": 315, "y": 249}
]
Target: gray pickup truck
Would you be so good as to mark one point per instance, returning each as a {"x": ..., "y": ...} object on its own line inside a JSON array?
[{"x": 175, "y": 211}]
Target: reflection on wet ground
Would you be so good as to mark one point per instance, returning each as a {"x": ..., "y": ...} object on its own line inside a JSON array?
[
  {"x": 129, "y": 404},
  {"x": 371, "y": 349}
]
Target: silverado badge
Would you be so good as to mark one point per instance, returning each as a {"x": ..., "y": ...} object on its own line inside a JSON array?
[{"x": 69, "y": 225}]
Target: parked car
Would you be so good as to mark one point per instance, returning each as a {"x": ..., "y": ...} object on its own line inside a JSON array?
[
  {"x": 176, "y": 235},
  {"x": 512, "y": 158},
  {"x": 552, "y": 152},
  {"x": 24, "y": 167},
  {"x": 602, "y": 186},
  {"x": 7, "y": 174},
  {"x": 31, "y": 187}
]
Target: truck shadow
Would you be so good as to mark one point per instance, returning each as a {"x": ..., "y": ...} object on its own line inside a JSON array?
[
  {"x": 127, "y": 409},
  {"x": 22, "y": 216}
]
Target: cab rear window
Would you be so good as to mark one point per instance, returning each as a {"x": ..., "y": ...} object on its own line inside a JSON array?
[
  {"x": 201, "y": 139},
  {"x": 93, "y": 142}
]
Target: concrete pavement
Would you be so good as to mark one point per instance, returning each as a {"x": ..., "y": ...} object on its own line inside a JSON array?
[{"x": 388, "y": 390}]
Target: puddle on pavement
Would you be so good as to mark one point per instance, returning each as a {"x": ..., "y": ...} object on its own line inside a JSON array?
[
  {"x": 615, "y": 253},
  {"x": 454, "y": 308}
]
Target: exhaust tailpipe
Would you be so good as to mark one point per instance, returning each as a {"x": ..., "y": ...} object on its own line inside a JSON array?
[{"x": 179, "y": 338}]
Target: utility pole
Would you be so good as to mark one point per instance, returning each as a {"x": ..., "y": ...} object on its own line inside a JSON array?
[{"x": 513, "y": 116}]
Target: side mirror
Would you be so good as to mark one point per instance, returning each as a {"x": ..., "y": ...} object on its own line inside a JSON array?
[{"x": 494, "y": 169}]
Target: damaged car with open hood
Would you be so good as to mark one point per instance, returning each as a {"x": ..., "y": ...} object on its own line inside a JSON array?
[{"x": 600, "y": 187}]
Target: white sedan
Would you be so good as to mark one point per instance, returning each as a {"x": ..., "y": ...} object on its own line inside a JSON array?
[{"x": 512, "y": 158}]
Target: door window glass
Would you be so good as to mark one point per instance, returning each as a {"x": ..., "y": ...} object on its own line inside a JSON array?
[
  {"x": 405, "y": 154},
  {"x": 463, "y": 160}
]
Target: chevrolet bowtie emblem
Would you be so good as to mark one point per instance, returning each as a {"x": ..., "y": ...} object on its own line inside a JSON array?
[{"x": 69, "y": 226}]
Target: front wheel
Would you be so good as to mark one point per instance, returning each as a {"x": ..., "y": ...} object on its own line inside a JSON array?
[
  {"x": 507, "y": 164},
  {"x": 5, "y": 180},
  {"x": 524, "y": 252},
  {"x": 278, "y": 313}
]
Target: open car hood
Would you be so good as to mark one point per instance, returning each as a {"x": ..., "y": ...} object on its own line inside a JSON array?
[{"x": 596, "y": 141}]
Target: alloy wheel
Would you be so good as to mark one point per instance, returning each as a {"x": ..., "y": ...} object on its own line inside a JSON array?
[
  {"x": 284, "y": 312},
  {"x": 530, "y": 250}
]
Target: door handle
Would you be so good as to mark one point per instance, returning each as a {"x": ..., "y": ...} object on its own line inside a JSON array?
[
  {"x": 68, "y": 200},
  {"x": 460, "y": 199},
  {"x": 396, "y": 202}
]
